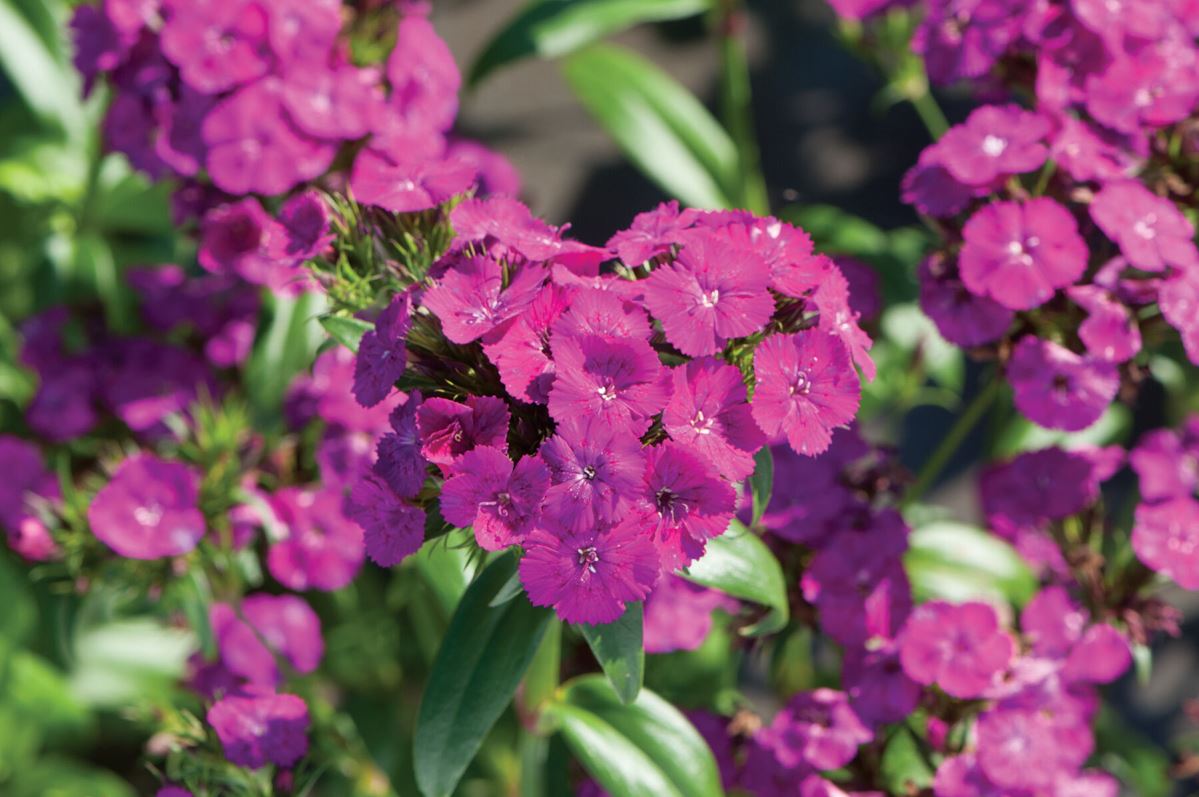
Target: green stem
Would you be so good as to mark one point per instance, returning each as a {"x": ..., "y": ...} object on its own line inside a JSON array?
[
  {"x": 544, "y": 672},
  {"x": 952, "y": 441},
  {"x": 736, "y": 100},
  {"x": 930, "y": 113}
]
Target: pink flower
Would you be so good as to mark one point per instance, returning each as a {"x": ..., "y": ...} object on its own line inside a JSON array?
[
  {"x": 1150, "y": 230},
  {"x": 993, "y": 142},
  {"x": 149, "y": 510},
  {"x": 267, "y": 626},
  {"x": 678, "y": 614},
  {"x": 1179, "y": 301},
  {"x": 217, "y": 44},
  {"x": 241, "y": 238},
  {"x": 962, "y": 317},
  {"x": 1167, "y": 462},
  {"x": 332, "y": 103},
  {"x": 1019, "y": 253},
  {"x": 520, "y": 348},
  {"x": 831, "y": 298},
  {"x": 595, "y": 470},
  {"x": 616, "y": 381},
  {"x": 259, "y": 727},
  {"x": 508, "y": 223},
  {"x": 1057, "y": 388},
  {"x": 1165, "y": 537},
  {"x": 408, "y": 171},
  {"x": 604, "y": 313},
  {"x": 932, "y": 189},
  {"x": 818, "y": 729},
  {"x": 423, "y": 76},
  {"x": 961, "y": 648},
  {"x": 1154, "y": 87},
  {"x": 590, "y": 576},
  {"x": 1086, "y": 155},
  {"x": 471, "y": 298},
  {"x": 382, "y": 353},
  {"x": 322, "y": 548},
  {"x": 448, "y": 429},
  {"x": 392, "y": 529},
  {"x": 711, "y": 293},
  {"x": 651, "y": 233},
  {"x": 303, "y": 30},
  {"x": 500, "y": 502},
  {"x": 805, "y": 387},
  {"x": 690, "y": 503},
  {"x": 708, "y": 413}
]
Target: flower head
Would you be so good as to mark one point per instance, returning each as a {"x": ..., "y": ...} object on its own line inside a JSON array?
[
  {"x": 1150, "y": 230},
  {"x": 471, "y": 299},
  {"x": 690, "y": 503},
  {"x": 392, "y": 529},
  {"x": 322, "y": 548},
  {"x": 499, "y": 501},
  {"x": 149, "y": 510},
  {"x": 260, "y": 727},
  {"x": 595, "y": 470},
  {"x": 708, "y": 413},
  {"x": 448, "y": 429},
  {"x": 993, "y": 142},
  {"x": 960, "y": 648},
  {"x": 1165, "y": 537},
  {"x": 618, "y": 381},
  {"x": 818, "y": 729},
  {"x": 382, "y": 354},
  {"x": 1057, "y": 388}
]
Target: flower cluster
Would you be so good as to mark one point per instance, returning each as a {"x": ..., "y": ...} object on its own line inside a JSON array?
[{"x": 594, "y": 409}]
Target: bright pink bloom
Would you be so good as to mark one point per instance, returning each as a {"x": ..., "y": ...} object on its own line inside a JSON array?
[
  {"x": 217, "y": 44},
  {"x": 831, "y": 298},
  {"x": 500, "y": 502},
  {"x": 993, "y": 142},
  {"x": 595, "y": 470},
  {"x": 1109, "y": 332},
  {"x": 805, "y": 388},
  {"x": 651, "y": 233},
  {"x": 520, "y": 348},
  {"x": 1057, "y": 388},
  {"x": 1167, "y": 462},
  {"x": 408, "y": 171},
  {"x": 709, "y": 414},
  {"x": 303, "y": 30},
  {"x": 332, "y": 103},
  {"x": 1150, "y": 230},
  {"x": 689, "y": 502},
  {"x": 1179, "y": 301},
  {"x": 321, "y": 548},
  {"x": 448, "y": 429},
  {"x": 150, "y": 509},
  {"x": 678, "y": 614},
  {"x": 961, "y": 648},
  {"x": 603, "y": 313},
  {"x": 267, "y": 626},
  {"x": 1165, "y": 537},
  {"x": 423, "y": 76},
  {"x": 616, "y": 381},
  {"x": 471, "y": 299}
]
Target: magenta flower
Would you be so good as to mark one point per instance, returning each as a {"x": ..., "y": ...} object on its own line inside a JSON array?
[
  {"x": 305, "y": 217},
  {"x": 382, "y": 354},
  {"x": 818, "y": 729},
  {"x": 590, "y": 576},
  {"x": 1179, "y": 302},
  {"x": 254, "y": 148},
  {"x": 708, "y": 413},
  {"x": 1086, "y": 155},
  {"x": 689, "y": 503},
  {"x": 993, "y": 142},
  {"x": 964, "y": 38},
  {"x": 711, "y": 293},
  {"x": 878, "y": 689},
  {"x": 960, "y": 648},
  {"x": 144, "y": 380},
  {"x": 1167, "y": 462},
  {"x": 1102, "y": 655},
  {"x": 805, "y": 387},
  {"x": 495, "y": 173},
  {"x": 1057, "y": 388},
  {"x": 1165, "y": 537},
  {"x": 678, "y": 614},
  {"x": 932, "y": 189},
  {"x": 831, "y": 298},
  {"x": 960, "y": 776},
  {"x": 651, "y": 233},
  {"x": 241, "y": 238},
  {"x": 260, "y": 727},
  {"x": 268, "y": 626},
  {"x": 1028, "y": 748},
  {"x": 408, "y": 171},
  {"x": 1109, "y": 332},
  {"x": 961, "y": 317},
  {"x": 520, "y": 349},
  {"x": 816, "y": 493},
  {"x": 508, "y": 223},
  {"x": 1019, "y": 253},
  {"x": 1150, "y": 230},
  {"x": 1154, "y": 87},
  {"x": 217, "y": 44},
  {"x": 400, "y": 462},
  {"x": 1037, "y": 486},
  {"x": 321, "y": 548},
  {"x": 423, "y": 76},
  {"x": 595, "y": 470},
  {"x": 27, "y": 478},
  {"x": 149, "y": 510},
  {"x": 616, "y": 381},
  {"x": 332, "y": 103},
  {"x": 392, "y": 529},
  {"x": 303, "y": 30},
  {"x": 603, "y": 313},
  {"x": 499, "y": 501},
  {"x": 471, "y": 300},
  {"x": 449, "y": 429}
]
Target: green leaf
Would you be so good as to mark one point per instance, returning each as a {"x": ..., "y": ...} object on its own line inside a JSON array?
[
  {"x": 904, "y": 768},
  {"x": 20, "y": 611},
  {"x": 554, "y": 28},
  {"x": 48, "y": 87},
  {"x": 661, "y": 127},
  {"x": 118, "y": 663},
  {"x": 62, "y": 777},
  {"x": 761, "y": 483},
  {"x": 347, "y": 331},
  {"x": 485, "y": 652},
  {"x": 646, "y": 749},
  {"x": 286, "y": 347},
  {"x": 837, "y": 231},
  {"x": 958, "y": 562},
  {"x": 619, "y": 649},
  {"x": 739, "y": 563}
]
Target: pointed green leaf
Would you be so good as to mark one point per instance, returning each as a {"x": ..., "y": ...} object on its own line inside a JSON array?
[
  {"x": 619, "y": 649},
  {"x": 739, "y": 563},
  {"x": 485, "y": 652},
  {"x": 761, "y": 483},
  {"x": 286, "y": 347},
  {"x": 661, "y": 127},
  {"x": 554, "y": 28},
  {"x": 958, "y": 562},
  {"x": 347, "y": 331},
  {"x": 644, "y": 749}
]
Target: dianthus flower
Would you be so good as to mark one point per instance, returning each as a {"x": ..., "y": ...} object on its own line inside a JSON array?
[
  {"x": 1167, "y": 462},
  {"x": 149, "y": 510},
  {"x": 382, "y": 353},
  {"x": 217, "y": 44},
  {"x": 618, "y": 381},
  {"x": 471, "y": 299},
  {"x": 960, "y": 648},
  {"x": 1057, "y": 388},
  {"x": 708, "y": 413},
  {"x": 1165, "y": 537},
  {"x": 259, "y": 727},
  {"x": 1151, "y": 231},
  {"x": 595, "y": 472},
  {"x": 448, "y": 429},
  {"x": 993, "y": 142},
  {"x": 268, "y": 625},
  {"x": 962, "y": 317},
  {"x": 400, "y": 462},
  {"x": 689, "y": 503},
  {"x": 678, "y": 614},
  {"x": 322, "y": 549},
  {"x": 520, "y": 349},
  {"x": 818, "y": 729},
  {"x": 500, "y": 502},
  {"x": 392, "y": 528}
]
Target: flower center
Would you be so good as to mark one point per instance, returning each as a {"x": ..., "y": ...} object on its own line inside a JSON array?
[
  {"x": 667, "y": 502},
  {"x": 148, "y": 515},
  {"x": 606, "y": 392},
  {"x": 993, "y": 145},
  {"x": 701, "y": 423},
  {"x": 588, "y": 558},
  {"x": 1144, "y": 227},
  {"x": 802, "y": 384},
  {"x": 589, "y": 472},
  {"x": 710, "y": 298}
]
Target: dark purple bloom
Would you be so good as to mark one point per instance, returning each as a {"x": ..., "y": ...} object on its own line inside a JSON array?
[
  {"x": 500, "y": 502},
  {"x": 816, "y": 493},
  {"x": 305, "y": 217},
  {"x": 242, "y": 239},
  {"x": 964, "y": 38},
  {"x": 879, "y": 691},
  {"x": 143, "y": 381},
  {"x": 382, "y": 352},
  {"x": 449, "y": 429},
  {"x": 1036, "y": 486},
  {"x": 149, "y": 510},
  {"x": 678, "y": 614},
  {"x": 1057, "y": 388},
  {"x": 267, "y": 626},
  {"x": 392, "y": 529},
  {"x": 400, "y": 462},
  {"x": 932, "y": 189},
  {"x": 64, "y": 406},
  {"x": 962, "y": 317},
  {"x": 471, "y": 298},
  {"x": 818, "y": 729},
  {"x": 259, "y": 727},
  {"x": 321, "y": 548}
]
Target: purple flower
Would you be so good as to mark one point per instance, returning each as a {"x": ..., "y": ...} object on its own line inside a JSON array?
[
  {"x": 960, "y": 776},
  {"x": 305, "y": 217},
  {"x": 241, "y": 238},
  {"x": 321, "y": 549},
  {"x": 1179, "y": 302},
  {"x": 217, "y": 44},
  {"x": 595, "y": 470},
  {"x": 1018, "y": 253},
  {"x": 27, "y": 477},
  {"x": 471, "y": 300},
  {"x": 932, "y": 189},
  {"x": 651, "y": 233},
  {"x": 400, "y": 462},
  {"x": 960, "y": 648},
  {"x": 1026, "y": 748},
  {"x": 603, "y": 313},
  {"x": 495, "y": 173},
  {"x": 501, "y": 502},
  {"x": 879, "y": 691},
  {"x": 172, "y": 791},
  {"x": 1165, "y": 537},
  {"x": 423, "y": 76},
  {"x": 1167, "y": 462},
  {"x": 333, "y": 103},
  {"x": 327, "y": 394},
  {"x": 708, "y": 413},
  {"x": 964, "y": 38},
  {"x": 382, "y": 353},
  {"x": 259, "y": 727},
  {"x": 690, "y": 503},
  {"x": 616, "y": 381},
  {"x": 1052, "y": 622},
  {"x": 1086, "y": 155},
  {"x": 590, "y": 576},
  {"x": 678, "y": 614},
  {"x": 711, "y": 293},
  {"x": 993, "y": 142},
  {"x": 254, "y": 148},
  {"x": 449, "y": 429},
  {"x": 962, "y": 317},
  {"x": 818, "y": 729},
  {"x": 64, "y": 406},
  {"x": 1109, "y": 332},
  {"x": 520, "y": 348},
  {"x": 303, "y": 30},
  {"x": 98, "y": 46},
  {"x": 831, "y": 299},
  {"x": 508, "y": 223},
  {"x": 865, "y": 297},
  {"x": 1036, "y": 486},
  {"x": 1150, "y": 230},
  {"x": 816, "y": 493},
  {"x": 805, "y": 387},
  {"x": 1154, "y": 87},
  {"x": 268, "y": 626},
  {"x": 1101, "y": 656},
  {"x": 392, "y": 529},
  {"x": 149, "y": 510},
  {"x": 1057, "y": 388},
  {"x": 408, "y": 171},
  {"x": 144, "y": 381}
]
